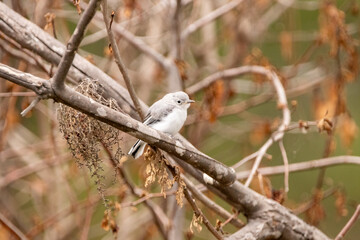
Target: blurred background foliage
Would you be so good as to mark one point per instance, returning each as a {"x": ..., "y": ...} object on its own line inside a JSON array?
[{"x": 47, "y": 196}]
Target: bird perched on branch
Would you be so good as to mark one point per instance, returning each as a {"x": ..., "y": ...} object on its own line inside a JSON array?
[{"x": 167, "y": 115}]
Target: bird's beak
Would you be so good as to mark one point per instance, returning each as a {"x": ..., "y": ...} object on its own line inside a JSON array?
[{"x": 190, "y": 101}]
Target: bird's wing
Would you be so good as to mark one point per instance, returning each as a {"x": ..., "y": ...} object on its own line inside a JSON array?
[{"x": 159, "y": 110}]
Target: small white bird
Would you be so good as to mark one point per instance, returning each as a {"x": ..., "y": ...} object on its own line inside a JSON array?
[{"x": 167, "y": 115}]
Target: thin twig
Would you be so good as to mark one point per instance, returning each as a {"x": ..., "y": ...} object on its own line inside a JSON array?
[
  {"x": 197, "y": 211},
  {"x": 119, "y": 62},
  {"x": 268, "y": 18},
  {"x": 252, "y": 101},
  {"x": 73, "y": 44},
  {"x": 248, "y": 158},
  {"x": 30, "y": 107},
  {"x": 303, "y": 166},
  {"x": 146, "y": 197},
  {"x": 161, "y": 220},
  {"x": 211, "y": 204},
  {"x": 282, "y": 104},
  {"x": 349, "y": 224},
  {"x": 286, "y": 165}
]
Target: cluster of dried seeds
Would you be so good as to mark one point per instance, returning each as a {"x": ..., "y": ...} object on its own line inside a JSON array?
[{"x": 86, "y": 136}]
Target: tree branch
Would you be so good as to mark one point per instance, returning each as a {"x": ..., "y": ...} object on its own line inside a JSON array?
[
  {"x": 282, "y": 104},
  {"x": 211, "y": 204},
  {"x": 209, "y": 18},
  {"x": 11, "y": 227},
  {"x": 30, "y": 36},
  {"x": 302, "y": 166},
  {"x": 349, "y": 224},
  {"x": 177, "y": 147},
  {"x": 119, "y": 62},
  {"x": 72, "y": 45}
]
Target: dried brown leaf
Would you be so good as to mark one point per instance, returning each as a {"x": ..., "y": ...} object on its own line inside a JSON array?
[
  {"x": 348, "y": 130},
  {"x": 340, "y": 203}
]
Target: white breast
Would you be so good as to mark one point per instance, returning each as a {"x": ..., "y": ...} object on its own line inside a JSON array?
[{"x": 173, "y": 122}]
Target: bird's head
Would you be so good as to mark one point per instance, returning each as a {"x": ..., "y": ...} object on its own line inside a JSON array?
[{"x": 180, "y": 99}]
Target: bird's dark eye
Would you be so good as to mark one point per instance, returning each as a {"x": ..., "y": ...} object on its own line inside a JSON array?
[{"x": 178, "y": 101}]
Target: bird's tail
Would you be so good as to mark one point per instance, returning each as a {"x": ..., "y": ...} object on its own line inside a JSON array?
[{"x": 137, "y": 149}]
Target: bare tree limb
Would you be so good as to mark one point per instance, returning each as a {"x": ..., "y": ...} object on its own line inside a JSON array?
[
  {"x": 209, "y": 18},
  {"x": 176, "y": 30}
]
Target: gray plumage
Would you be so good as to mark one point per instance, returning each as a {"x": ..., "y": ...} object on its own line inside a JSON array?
[{"x": 166, "y": 115}]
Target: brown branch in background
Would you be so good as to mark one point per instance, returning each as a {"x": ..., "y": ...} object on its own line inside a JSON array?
[
  {"x": 228, "y": 73},
  {"x": 209, "y": 18},
  {"x": 267, "y": 18},
  {"x": 72, "y": 46},
  {"x": 255, "y": 100},
  {"x": 53, "y": 219},
  {"x": 310, "y": 203},
  {"x": 176, "y": 29},
  {"x": 17, "y": 94},
  {"x": 248, "y": 158},
  {"x": 87, "y": 223},
  {"x": 9, "y": 226},
  {"x": 50, "y": 23},
  {"x": 282, "y": 104},
  {"x": 119, "y": 62},
  {"x": 349, "y": 224},
  {"x": 17, "y": 51},
  {"x": 286, "y": 165},
  {"x": 302, "y": 166}
]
